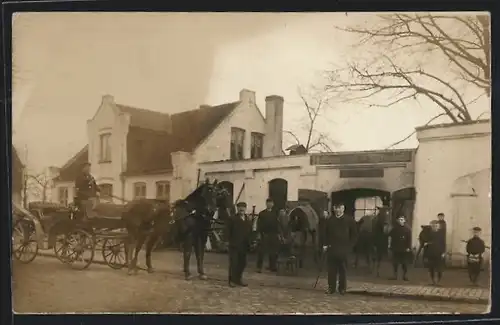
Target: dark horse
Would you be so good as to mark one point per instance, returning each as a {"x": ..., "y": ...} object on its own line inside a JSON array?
[
  {"x": 302, "y": 222},
  {"x": 372, "y": 239},
  {"x": 193, "y": 218},
  {"x": 187, "y": 222}
]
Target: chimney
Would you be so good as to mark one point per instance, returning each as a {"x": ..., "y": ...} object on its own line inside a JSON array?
[
  {"x": 273, "y": 138},
  {"x": 247, "y": 96},
  {"x": 108, "y": 99}
]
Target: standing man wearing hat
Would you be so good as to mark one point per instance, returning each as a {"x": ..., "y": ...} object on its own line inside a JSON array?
[
  {"x": 339, "y": 238},
  {"x": 268, "y": 232},
  {"x": 238, "y": 230},
  {"x": 87, "y": 191},
  {"x": 475, "y": 249}
]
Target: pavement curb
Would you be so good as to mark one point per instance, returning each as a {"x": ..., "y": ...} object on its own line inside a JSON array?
[
  {"x": 479, "y": 301},
  {"x": 362, "y": 292}
]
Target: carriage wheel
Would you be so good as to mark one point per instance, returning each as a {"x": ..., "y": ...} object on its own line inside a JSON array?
[
  {"x": 77, "y": 249},
  {"x": 24, "y": 249},
  {"x": 114, "y": 253}
]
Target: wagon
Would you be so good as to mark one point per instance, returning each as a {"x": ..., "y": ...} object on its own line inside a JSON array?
[
  {"x": 27, "y": 234},
  {"x": 76, "y": 241}
]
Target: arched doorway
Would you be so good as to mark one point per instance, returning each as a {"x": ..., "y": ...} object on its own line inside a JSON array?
[
  {"x": 278, "y": 192},
  {"x": 229, "y": 187},
  {"x": 361, "y": 201}
]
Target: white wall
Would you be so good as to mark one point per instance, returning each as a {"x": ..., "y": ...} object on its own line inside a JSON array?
[
  {"x": 108, "y": 119},
  {"x": 71, "y": 191},
  {"x": 149, "y": 180},
  {"x": 446, "y": 153},
  {"x": 247, "y": 117}
]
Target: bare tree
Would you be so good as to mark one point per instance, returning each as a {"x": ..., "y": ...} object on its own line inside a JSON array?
[
  {"x": 462, "y": 42},
  {"x": 37, "y": 185},
  {"x": 314, "y": 140}
]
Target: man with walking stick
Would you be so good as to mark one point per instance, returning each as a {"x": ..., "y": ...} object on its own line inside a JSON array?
[{"x": 339, "y": 236}]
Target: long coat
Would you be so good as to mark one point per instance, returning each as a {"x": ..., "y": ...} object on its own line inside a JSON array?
[
  {"x": 340, "y": 235},
  {"x": 239, "y": 232}
]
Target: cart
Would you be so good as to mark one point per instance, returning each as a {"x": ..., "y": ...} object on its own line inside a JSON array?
[
  {"x": 27, "y": 234},
  {"x": 77, "y": 243}
]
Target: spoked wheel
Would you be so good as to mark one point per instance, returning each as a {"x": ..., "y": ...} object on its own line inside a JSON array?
[
  {"x": 61, "y": 248},
  {"x": 24, "y": 248},
  {"x": 76, "y": 248},
  {"x": 114, "y": 253}
]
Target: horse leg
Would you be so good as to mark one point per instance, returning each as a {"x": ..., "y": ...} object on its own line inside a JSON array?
[
  {"x": 141, "y": 238},
  {"x": 199, "y": 251},
  {"x": 149, "y": 248},
  {"x": 187, "y": 248}
]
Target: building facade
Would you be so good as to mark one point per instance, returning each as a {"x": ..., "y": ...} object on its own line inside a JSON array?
[{"x": 138, "y": 153}]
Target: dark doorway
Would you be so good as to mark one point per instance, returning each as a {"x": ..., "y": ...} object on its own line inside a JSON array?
[
  {"x": 351, "y": 196},
  {"x": 229, "y": 187},
  {"x": 317, "y": 199},
  {"x": 278, "y": 191},
  {"x": 403, "y": 203}
]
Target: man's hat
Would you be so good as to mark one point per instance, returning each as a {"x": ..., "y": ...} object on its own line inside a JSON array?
[
  {"x": 338, "y": 203},
  {"x": 476, "y": 229},
  {"x": 241, "y": 204},
  {"x": 269, "y": 200},
  {"x": 86, "y": 164}
]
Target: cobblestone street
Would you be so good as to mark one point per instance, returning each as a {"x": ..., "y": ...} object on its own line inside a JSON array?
[{"x": 46, "y": 285}]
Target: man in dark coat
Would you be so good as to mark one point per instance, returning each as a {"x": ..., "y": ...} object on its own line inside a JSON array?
[
  {"x": 238, "y": 230},
  {"x": 87, "y": 192},
  {"x": 268, "y": 233},
  {"x": 340, "y": 236},
  {"x": 442, "y": 226},
  {"x": 435, "y": 251},
  {"x": 475, "y": 249},
  {"x": 400, "y": 245},
  {"x": 423, "y": 237}
]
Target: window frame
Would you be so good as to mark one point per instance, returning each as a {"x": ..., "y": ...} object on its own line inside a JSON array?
[
  {"x": 105, "y": 147},
  {"x": 165, "y": 185},
  {"x": 140, "y": 185},
  {"x": 65, "y": 190},
  {"x": 260, "y": 152},
  {"x": 235, "y": 152},
  {"x": 104, "y": 195},
  {"x": 377, "y": 199}
]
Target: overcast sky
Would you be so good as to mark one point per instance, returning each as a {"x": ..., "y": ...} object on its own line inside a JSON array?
[{"x": 65, "y": 62}]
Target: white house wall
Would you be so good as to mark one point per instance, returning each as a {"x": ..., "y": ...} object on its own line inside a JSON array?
[
  {"x": 71, "y": 191},
  {"x": 247, "y": 117},
  {"x": 444, "y": 155},
  {"x": 108, "y": 119},
  {"x": 149, "y": 180}
]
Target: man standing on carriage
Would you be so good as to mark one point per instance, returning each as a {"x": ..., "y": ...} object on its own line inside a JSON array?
[
  {"x": 87, "y": 192},
  {"x": 268, "y": 233},
  {"x": 340, "y": 236}
]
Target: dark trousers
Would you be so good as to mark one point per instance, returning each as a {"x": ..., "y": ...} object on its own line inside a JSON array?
[
  {"x": 337, "y": 270},
  {"x": 268, "y": 246},
  {"x": 474, "y": 269},
  {"x": 435, "y": 265},
  {"x": 196, "y": 242},
  {"x": 400, "y": 258},
  {"x": 237, "y": 263}
]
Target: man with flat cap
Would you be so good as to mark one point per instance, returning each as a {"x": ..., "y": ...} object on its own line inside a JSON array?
[
  {"x": 238, "y": 230},
  {"x": 87, "y": 191},
  {"x": 268, "y": 232},
  {"x": 475, "y": 249},
  {"x": 339, "y": 238}
]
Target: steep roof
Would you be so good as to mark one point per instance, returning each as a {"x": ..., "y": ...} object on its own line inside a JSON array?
[{"x": 153, "y": 136}]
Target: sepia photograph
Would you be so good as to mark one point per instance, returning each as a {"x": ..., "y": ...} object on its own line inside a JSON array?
[{"x": 251, "y": 163}]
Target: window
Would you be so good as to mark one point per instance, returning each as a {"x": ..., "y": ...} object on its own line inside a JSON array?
[
  {"x": 106, "y": 191},
  {"x": 162, "y": 191},
  {"x": 105, "y": 147},
  {"x": 139, "y": 191},
  {"x": 256, "y": 145},
  {"x": 63, "y": 195},
  {"x": 366, "y": 206},
  {"x": 237, "y": 141}
]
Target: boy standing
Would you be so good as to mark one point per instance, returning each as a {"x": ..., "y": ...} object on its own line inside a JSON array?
[
  {"x": 475, "y": 249},
  {"x": 400, "y": 245},
  {"x": 436, "y": 249}
]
